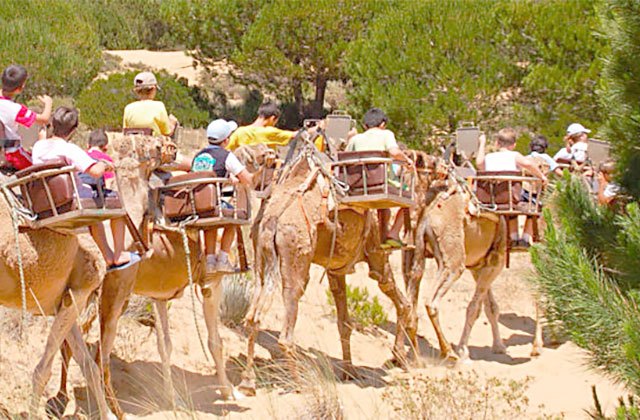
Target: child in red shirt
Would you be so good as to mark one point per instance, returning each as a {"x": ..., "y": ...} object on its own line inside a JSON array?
[{"x": 13, "y": 114}]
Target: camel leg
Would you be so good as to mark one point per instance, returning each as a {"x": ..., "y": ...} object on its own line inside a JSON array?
[
  {"x": 90, "y": 370},
  {"x": 56, "y": 405},
  {"x": 413, "y": 276},
  {"x": 388, "y": 286},
  {"x": 291, "y": 297},
  {"x": 62, "y": 324},
  {"x": 338, "y": 288},
  {"x": 164, "y": 347},
  {"x": 492, "y": 311},
  {"x": 248, "y": 384},
  {"x": 538, "y": 341},
  {"x": 210, "y": 304},
  {"x": 484, "y": 277}
]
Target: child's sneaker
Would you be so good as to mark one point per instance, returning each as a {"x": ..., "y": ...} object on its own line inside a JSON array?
[
  {"x": 392, "y": 243},
  {"x": 212, "y": 264},
  {"x": 224, "y": 265}
]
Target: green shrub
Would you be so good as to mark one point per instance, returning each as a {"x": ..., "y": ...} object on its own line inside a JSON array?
[
  {"x": 102, "y": 103},
  {"x": 363, "y": 311},
  {"x": 54, "y": 41}
]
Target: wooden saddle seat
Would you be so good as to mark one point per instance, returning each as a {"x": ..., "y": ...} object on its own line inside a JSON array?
[
  {"x": 502, "y": 192},
  {"x": 372, "y": 182},
  {"x": 206, "y": 198},
  {"x": 50, "y": 191}
]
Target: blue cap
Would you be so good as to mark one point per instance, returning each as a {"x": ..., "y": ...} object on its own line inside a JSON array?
[{"x": 218, "y": 130}]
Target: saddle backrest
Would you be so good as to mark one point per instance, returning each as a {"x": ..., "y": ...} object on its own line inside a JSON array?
[
  {"x": 497, "y": 192},
  {"x": 60, "y": 187},
  {"x": 184, "y": 201},
  {"x": 375, "y": 172}
]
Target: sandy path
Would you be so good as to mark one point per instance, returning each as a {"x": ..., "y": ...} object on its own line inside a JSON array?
[{"x": 559, "y": 378}]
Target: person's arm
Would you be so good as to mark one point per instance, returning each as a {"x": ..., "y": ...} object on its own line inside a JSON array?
[
  {"x": 166, "y": 123},
  {"x": 245, "y": 177},
  {"x": 237, "y": 169},
  {"x": 603, "y": 198},
  {"x": 482, "y": 142},
  {"x": 98, "y": 169},
  {"x": 531, "y": 166},
  {"x": 398, "y": 154},
  {"x": 45, "y": 115}
]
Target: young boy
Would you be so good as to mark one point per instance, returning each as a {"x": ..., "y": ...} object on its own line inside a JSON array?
[
  {"x": 13, "y": 114},
  {"x": 607, "y": 190},
  {"x": 377, "y": 137},
  {"x": 507, "y": 159},
  {"x": 146, "y": 112},
  {"x": 577, "y": 143},
  {"x": 219, "y": 160},
  {"x": 65, "y": 121}
]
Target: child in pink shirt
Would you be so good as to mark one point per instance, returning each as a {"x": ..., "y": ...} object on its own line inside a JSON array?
[{"x": 98, "y": 142}]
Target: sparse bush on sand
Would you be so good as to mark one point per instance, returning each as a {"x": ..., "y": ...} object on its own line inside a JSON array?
[
  {"x": 457, "y": 396},
  {"x": 363, "y": 311},
  {"x": 236, "y": 298}
]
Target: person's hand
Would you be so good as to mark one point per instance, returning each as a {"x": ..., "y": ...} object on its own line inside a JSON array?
[
  {"x": 545, "y": 180},
  {"x": 482, "y": 140},
  {"x": 42, "y": 133},
  {"x": 173, "y": 119},
  {"x": 601, "y": 178},
  {"x": 45, "y": 99},
  {"x": 108, "y": 166}
]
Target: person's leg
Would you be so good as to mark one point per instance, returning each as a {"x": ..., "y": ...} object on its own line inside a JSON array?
[
  {"x": 383, "y": 221},
  {"x": 224, "y": 265},
  {"x": 528, "y": 230},
  {"x": 210, "y": 239},
  {"x": 118, "y": 227},
  {"x": 99, "y": 235},
  {"x": 394, "y": 232},
  {"x": 513, "y": 228}
]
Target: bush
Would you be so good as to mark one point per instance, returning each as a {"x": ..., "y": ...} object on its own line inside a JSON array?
[
  {"x": 363, "y": 311},
  {"x": 236, "y": 298},
  {"x": 54, "y": 41},
  {"x": 102, "y": 103}
]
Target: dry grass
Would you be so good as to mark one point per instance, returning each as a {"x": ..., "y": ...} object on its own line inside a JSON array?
[
  {"x": 458, "y": 395},
  {"x": 236, "y": 298}
]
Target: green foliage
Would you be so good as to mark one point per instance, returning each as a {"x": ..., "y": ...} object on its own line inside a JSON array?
[
  {"x": 433, "y": 64},
  {"x": 621, "y": 88},
  {"x": 102, "y": 103},
  {"x": 363, "y": 311},
  {"x": 592, "y": 288},
  {"x": 54, "y": 41}
]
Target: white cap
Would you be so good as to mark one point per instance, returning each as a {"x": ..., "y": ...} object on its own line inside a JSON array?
[
  {"x": 576, "y": 128},
  {"x": 145, "y": 79},
  {"x": 218, "y": 130}
]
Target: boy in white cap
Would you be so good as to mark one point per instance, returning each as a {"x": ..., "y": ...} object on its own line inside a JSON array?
[
  {"x": 146, "y": 112},
  {"x": 577, "y": 142},
  {"x": 224, "y": 163}
]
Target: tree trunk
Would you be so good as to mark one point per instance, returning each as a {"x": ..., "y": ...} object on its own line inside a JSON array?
[
  {"x": 317, "y": 107},
  {"x": 299, "y": 100}
]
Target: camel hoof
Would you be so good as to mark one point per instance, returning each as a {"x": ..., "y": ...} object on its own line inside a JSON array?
[
  {"x": 499, "y": 348},
  {"x": 535, "y": 351},
  {"x": 247, "y": 388},
  {"x": 348, "y": 373},
  {"x": 56, "y": 405},
  {"x": 462, "y": 353}
]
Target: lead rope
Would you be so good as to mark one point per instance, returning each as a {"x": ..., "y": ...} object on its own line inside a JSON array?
[
  {"x": 187, "y": 253},
  {"x": 16, "y": 235}
]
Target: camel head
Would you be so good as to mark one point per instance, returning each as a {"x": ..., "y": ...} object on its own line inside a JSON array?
[{"x": 258, "y": 159}]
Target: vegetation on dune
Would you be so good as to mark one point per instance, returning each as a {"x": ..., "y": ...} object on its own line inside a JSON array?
[
  {"x": 364, "y": 312},
  {"x": 588, "y": 268},
  {"x": 102, "y": 103}
]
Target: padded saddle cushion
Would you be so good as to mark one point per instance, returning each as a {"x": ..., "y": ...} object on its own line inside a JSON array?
[
  {"x": 375, "y": 172},
  {"x": 500, "y": 189},
  {"x": 61, "y": 187},
  {"x": 202, "y": 200}
]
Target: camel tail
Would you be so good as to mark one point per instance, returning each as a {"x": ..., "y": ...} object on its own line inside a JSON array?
[{"x": 267, "y": 270}]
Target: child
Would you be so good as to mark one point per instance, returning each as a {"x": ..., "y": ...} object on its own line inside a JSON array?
[
  {"x": 98, "y": 142},
  {"x": 147, "y": 112},
  {"x": 538, "y": 151},
  {"x": 13, "y": 114},
  {"x": 65, "y": 121},
  {"x": 577, "y": 143},
  {"x": 507, "y": 159},
  {"x": 607, "y": 190},
  {"x": 219, "y": 160},
  {"x": 377, "y": 137}
]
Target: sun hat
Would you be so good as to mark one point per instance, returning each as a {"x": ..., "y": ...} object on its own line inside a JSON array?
[
  {"x": 145, "y": 79},
  {"x": 218, "y": 130},
  {"x": 576, "y": 128}
]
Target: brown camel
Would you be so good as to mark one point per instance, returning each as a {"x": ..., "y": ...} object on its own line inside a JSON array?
[
  {"x": 291, "y": 232},
  {"x": 61, "y": 271},
  {"x": 161, "y": 277},
  {"x": 443, "y": 229}
]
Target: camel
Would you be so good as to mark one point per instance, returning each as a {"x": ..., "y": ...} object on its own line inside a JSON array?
[
  {"x": 162, "y": 277},
  {"x": 444, "y": 230},
  {"x": 293, "y": 229},
  {"x": 61, "y": 272}
]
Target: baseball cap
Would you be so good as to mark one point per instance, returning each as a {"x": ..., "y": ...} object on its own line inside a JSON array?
[
  {"x": 218, "y": 130},
  {"x": 576, "y": 128},
  {"x": 145, "y": 79}
]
